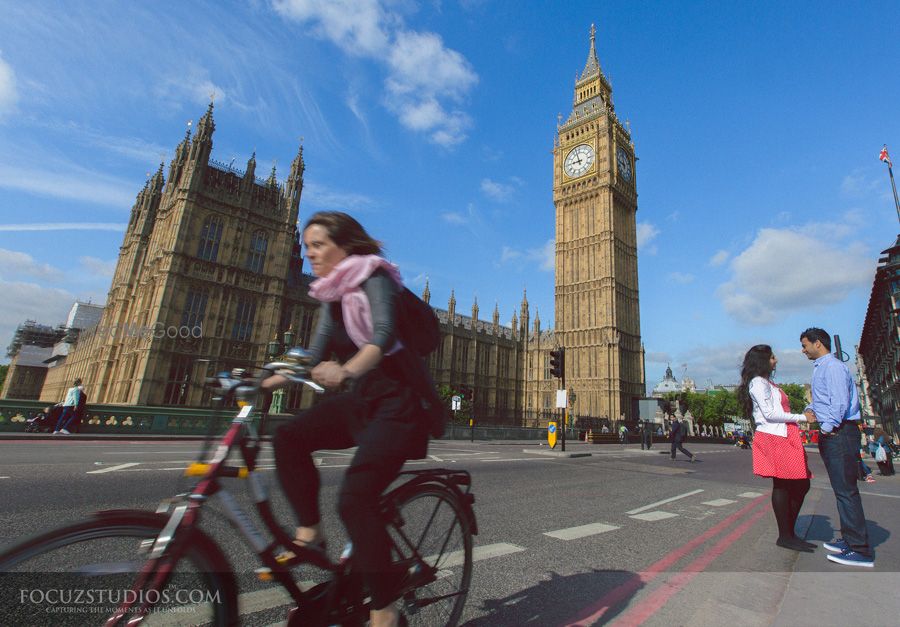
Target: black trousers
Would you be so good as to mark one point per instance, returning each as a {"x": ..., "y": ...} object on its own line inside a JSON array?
[
  {"x": 336, "y": 423},
  {"x": 679, "y": 444}
]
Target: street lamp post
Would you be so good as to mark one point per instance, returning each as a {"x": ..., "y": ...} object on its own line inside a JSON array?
[{"x": 273, "y": 349}]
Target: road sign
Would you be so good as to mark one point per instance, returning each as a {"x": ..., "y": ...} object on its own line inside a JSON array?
[
  {"x": 561, "y": 399},
  {"x": 455, "y": 402},
  {"x": 551, "y": 434}
]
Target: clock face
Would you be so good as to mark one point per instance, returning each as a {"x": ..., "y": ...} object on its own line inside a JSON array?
[
  {"x": 624, "y": 163},
  {"x": 579, "y": 161}
]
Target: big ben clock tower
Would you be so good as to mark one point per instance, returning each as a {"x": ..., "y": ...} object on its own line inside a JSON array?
[{"x": 597, "y": 307}]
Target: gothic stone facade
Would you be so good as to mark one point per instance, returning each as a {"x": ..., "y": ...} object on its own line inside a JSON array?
[{"x": 216, "y": 249}]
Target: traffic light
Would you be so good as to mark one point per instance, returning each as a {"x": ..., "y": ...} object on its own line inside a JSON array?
[
  {"x": 466, "y": 393},
  {"x": 558, "y": 363}
]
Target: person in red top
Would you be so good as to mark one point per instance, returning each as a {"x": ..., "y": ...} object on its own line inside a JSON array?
[{"x": 777, "y": 446}]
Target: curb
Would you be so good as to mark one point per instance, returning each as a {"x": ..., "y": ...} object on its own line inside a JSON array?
[{"x": 555, "y": 453}]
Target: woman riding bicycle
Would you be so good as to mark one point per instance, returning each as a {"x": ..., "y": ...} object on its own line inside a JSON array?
[{"x": 378, "y": 411}]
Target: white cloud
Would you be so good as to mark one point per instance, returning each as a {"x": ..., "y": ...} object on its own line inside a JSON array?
[
  {"x": 98, "y": 267},
  {"x": 68, "y": 181},
  {"x": 659, "y": 358},
  {"x": 544, "y": 256},
  {"x": 28, "y": 301},
  {"x": 681, "y": 278},
  {"x": 453, "y": 217},
  {"x": 786, "y": 270},
  {"x": 721, "y": 364},
  {"x": 646, "y": 233},
  {"x": 719, "y": 258},
  {"x": 674, "y": 216},
  {"x": 9, "y": 95},
  {"x": 15, "y": 265},
  {"x": 190, "y": 84},
  {"x": 64, "y": 226},
  {"x": 501, "y": 192},
  {"x": 425, "y": 80},
  {"x": 321, "y": 197}
]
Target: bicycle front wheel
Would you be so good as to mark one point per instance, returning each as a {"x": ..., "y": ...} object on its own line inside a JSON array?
[
  {"x": 81, "y": 574},
  {"x": 433, "y": 530}
]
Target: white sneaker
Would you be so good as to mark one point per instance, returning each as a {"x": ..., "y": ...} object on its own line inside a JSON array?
[
  {"x": 64, "y": 432},
  {"x": 56, "y": 432}
]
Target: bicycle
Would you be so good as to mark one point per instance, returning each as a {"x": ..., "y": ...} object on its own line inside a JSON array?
[{"x": 162, "y": 564}]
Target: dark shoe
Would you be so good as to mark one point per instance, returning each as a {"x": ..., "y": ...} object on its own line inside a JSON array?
[
  {"x": 838, "y": 545},
  {"x": 852, "y": 558},
  {"x": 793, "y": 544},
  {"x": 808, "y": 545}
]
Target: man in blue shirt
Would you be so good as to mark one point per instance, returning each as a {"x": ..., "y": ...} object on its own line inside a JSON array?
[{"x": 835, "y": 406}]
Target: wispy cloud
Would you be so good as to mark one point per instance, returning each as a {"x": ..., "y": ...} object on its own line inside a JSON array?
[
  {"x": 98, "y": 267},
  {"x": 425, "y": 81},
  {"x": 544, "y": 256},
  {"x": 322, "y": 197},
  {"x": 501, "y": 192},
  {"x": 64, "y": 226},
  {"x": 646, "y": 233},
  {"x": 68, "y": 181},
  {"x": 681, "y": 278},
  {"x": 15, "y": 265},
  {"x": 9, "y": 94},
  {"x": 719, "y": 258}
]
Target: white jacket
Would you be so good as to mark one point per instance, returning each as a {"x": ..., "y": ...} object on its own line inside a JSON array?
[{"x": 767, "y": 411}]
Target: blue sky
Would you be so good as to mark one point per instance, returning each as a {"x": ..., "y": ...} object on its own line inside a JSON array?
[{"x": 762, "y": 204}]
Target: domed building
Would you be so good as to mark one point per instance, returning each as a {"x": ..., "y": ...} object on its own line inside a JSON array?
[{"x": 668, "y": 384}]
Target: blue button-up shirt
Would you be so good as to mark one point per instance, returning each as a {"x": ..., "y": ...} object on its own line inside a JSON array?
[{"x": 834, "y": 394}]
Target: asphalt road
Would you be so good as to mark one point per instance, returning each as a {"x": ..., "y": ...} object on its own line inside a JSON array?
[{"x": 624, "y": 536}]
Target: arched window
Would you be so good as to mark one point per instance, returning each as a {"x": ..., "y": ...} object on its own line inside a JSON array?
[
  {"x": 210, "y": 235},
  {"x": 256, "y": 255}
]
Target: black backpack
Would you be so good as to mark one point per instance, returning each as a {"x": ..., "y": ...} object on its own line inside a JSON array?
[{"x": 417, "y": 325}]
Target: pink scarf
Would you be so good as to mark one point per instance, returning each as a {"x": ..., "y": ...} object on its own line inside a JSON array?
[{"x": 343, "y": 283}]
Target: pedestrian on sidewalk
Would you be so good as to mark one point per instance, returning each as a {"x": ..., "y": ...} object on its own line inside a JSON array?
[
  {"x": 884, "y": 457},
  {"x": 679, "y": 433},
  {"x": 646, "y": 435},
  {"x": 835, "y": 406},
  {"x": 777, "y": 447},
  {"x": 69, "y": 407}
]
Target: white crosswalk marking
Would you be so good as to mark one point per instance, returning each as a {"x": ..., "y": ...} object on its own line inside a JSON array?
[
  {"x": 719, "y": 502},
  {"x": 574, "y": 533},
  {"x": 654, "y": 516},
  {"x": 749, "y": 495},
  {"x": 663, "y": 502},
  {"x": 112, "y": 468}
]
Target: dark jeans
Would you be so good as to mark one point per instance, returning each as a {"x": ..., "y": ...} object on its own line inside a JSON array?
[
  {"x": 330, "y": 425},
  {"x": 679, "y": 444},
  {"x": 840, "y": 453},
  {"x": 646, "y": 441},
  {"x": 66, "y": 417}
]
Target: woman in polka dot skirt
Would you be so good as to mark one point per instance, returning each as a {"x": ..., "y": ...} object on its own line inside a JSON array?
[{"x": 777, "y": 446}]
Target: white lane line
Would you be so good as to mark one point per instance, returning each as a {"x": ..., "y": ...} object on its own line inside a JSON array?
[
  {"x": 479, "y": 553},
  {"x": 654, "y": 516},
  {"x": 4, "y": 477},
  {"x": 112, "y": 468},
  {"x": 436, "y": 458},
  {"x": 718, "y": 502},
  {"x": 518, "y": 459},
  {"x": 750, "y": 495},
  {"x": 574, "y": 533},
  {"x": 662, "y": 502}
]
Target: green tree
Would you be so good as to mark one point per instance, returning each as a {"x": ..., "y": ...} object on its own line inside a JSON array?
[
  {"x": 796, "y": 393},
  {"x": 462, "y": 416},
  {"x": 3, "y": 371}
]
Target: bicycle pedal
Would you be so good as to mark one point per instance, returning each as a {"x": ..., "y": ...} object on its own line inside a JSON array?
[{"x": 264, "y": 574}]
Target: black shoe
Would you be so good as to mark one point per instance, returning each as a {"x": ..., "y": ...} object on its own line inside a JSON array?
[{"x": 794, "y": 544}]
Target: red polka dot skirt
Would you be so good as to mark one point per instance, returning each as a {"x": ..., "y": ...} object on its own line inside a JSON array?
[{"x": 776, "y": 456}]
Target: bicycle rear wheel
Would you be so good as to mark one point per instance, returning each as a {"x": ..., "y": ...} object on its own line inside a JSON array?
[
  {"x": 432, "y": 528},
  {"x": 81, "y": 574}
]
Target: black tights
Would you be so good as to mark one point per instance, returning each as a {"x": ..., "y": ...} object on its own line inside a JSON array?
[{"x": 787, "y": 499}]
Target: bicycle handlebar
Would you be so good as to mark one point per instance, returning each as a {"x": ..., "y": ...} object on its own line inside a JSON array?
[{"x": 242, "y": 384}]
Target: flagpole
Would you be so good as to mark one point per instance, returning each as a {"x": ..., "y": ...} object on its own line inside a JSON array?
[{"x": 894, "y": 187}]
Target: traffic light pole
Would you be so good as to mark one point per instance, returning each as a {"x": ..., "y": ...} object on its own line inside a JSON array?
[{"x": 565, "y": 409}]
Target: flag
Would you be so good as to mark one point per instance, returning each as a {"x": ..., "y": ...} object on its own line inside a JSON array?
[{"x": 885, "y": 157}]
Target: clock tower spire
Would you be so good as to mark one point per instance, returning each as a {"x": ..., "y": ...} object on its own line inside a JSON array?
[{"x": 595, "y": 195}]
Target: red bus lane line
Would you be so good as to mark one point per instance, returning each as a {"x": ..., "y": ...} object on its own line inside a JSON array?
[
  {"x": 596, "y": 610},
  {"x": 652, "y": 603}
]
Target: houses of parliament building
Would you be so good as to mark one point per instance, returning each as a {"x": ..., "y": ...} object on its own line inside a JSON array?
[{"x": 210, "y": 271}]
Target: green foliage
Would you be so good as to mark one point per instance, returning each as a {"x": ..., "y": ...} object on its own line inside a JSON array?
[
  {"x": 796, "y": 393},
  {"x": 462, "y": 416},
  {"x": 3, "y": 371}
]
